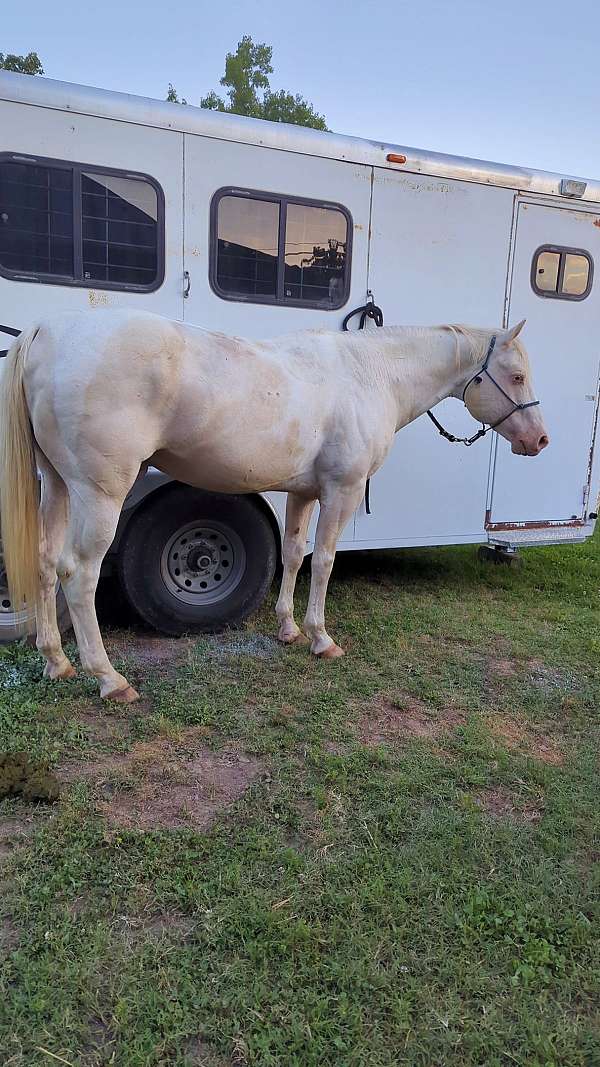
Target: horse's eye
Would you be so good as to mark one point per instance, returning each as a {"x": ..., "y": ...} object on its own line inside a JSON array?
[{"x": 519, "y": 379}]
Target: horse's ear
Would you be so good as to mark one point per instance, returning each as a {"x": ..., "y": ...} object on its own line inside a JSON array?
[{"x": 513, "y": 332}]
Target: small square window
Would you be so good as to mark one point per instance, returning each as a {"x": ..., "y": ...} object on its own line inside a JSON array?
[{"x": 562, "y": 273}]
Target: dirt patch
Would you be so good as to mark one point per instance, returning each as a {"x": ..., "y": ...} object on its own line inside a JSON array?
[
  {"x": 167, "y": 783},
  {"x": 199, "y": 1053},
  {"x": 550, "y": 679},
  {"x": 257, "y": 646},
  {"x": 14, "y": 831},
  {"x": 138, "y": 929},
  {"x": 336, "y": 748},
  {"x": 384, "y": 720},
  {"x": 106, "y": 726},
  {"x": 148, "y": 650},
  {"x": 500, "y": 803},
  {"x": 9, "y": 937},
  {"x": 100, "y": 1042},
  {"x": 501, "y": 666},
  {"x": 518, "y": 735}
]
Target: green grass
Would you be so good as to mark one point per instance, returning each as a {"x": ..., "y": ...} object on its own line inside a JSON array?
[{"x": 426, "y": 900}]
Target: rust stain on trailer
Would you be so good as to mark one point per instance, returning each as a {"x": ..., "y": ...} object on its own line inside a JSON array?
[
  {"x": 98, "y": 300},
  {"x": 596, "y": 222},
  {"x": 552, "y": 524}
]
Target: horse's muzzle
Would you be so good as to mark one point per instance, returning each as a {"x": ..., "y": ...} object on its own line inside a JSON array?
[{"x": 530, "y": 446}]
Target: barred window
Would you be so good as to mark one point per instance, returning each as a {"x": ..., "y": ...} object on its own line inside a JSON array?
[
  {"x": 77, "y": 225},
  {"x": 270, "y": 248}
]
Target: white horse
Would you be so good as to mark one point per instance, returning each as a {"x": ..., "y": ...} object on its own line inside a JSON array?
[{"x": 90, "y": 398}]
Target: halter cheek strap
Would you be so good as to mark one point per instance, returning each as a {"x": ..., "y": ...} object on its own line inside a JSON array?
[{"x": 484, "y": 429}]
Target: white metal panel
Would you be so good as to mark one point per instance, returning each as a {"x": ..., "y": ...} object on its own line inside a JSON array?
[
  {"x": 37, "y": 131},
  {"x": 562, "y": 339},
  {"x": 439, "y": 253},
  {"x": 142, "y": 111},
  {"x": 211, "y": 165}
]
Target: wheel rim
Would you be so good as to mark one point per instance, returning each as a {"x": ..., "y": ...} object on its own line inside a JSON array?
[
  {"x": 9, "y": 618},
  {"x": 202, "y": 563}
]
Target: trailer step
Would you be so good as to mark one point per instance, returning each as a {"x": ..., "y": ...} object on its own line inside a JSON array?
[{"x": 542, "y": 535}]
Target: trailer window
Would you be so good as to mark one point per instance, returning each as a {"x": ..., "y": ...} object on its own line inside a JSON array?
[
  {"x": 36, "y": 219},
  {"x": 270, "y": 248},
  {"x": 248, "y": 239},
  {"x": 70, "y": 224},
  {"x": 562, "y": 273}
]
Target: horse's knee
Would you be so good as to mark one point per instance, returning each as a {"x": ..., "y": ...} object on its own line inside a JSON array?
[{"x": 293, "y": 554}]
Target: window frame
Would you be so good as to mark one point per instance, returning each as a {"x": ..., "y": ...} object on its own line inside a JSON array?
[
  {"x": 77, "y": 170},
  {"x": 282, "y": 199},
  {"x": 562, "y": 251}
]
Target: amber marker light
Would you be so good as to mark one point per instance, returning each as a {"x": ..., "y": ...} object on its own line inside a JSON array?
[{"x": 394, "y": 157}]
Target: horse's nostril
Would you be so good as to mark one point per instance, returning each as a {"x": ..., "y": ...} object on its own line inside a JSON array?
[{"x": 543, "y": 441}]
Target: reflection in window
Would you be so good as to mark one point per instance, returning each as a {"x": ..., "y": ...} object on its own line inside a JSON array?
[
  {"x": 248, "y": 234},
  {"x": 36, "y": 218},
  {"x": 119, "y": 227},
  {"x": 575, "y": 274},
  {"x": 277, "y": 250},
  {"x": 65, "y": 223},
  {"x": 315, "y": 254},
  {"x": 562, "y": 273},
  {"x": 546, "y": 274}
]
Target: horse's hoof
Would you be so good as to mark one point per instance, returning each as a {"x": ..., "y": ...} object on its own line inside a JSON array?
[
  {"x": 123, "y": 696},
  {"x": 67, "y": 672},
  {"x": 332, "y": 651},
  {"x": 293, "y": 639}
]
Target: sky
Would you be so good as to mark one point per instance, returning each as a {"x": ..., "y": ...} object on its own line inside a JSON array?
[{"x": 505, "y": 81}]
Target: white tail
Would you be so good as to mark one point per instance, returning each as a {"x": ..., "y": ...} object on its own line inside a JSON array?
[{"x": 19, "y": 490}]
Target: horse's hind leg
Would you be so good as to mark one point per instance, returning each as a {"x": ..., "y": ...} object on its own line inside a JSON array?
[
  {"x": 93, "y": 519},
  {"x": 297, "y": 517},
  {"x": 336, "y": 508},
  {"x": 54, "y": 509}
]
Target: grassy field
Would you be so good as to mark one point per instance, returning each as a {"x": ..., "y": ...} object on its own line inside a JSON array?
[{"x": 272, "y": 860}]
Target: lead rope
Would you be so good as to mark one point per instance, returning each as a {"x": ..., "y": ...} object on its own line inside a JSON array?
[{"x": 367, "y": 311}]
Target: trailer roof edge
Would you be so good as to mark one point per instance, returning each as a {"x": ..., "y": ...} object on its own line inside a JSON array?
[{"x": 125, "y": 107}]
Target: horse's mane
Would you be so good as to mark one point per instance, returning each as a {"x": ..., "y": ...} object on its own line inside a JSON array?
[{"x": 477, "y": 338}]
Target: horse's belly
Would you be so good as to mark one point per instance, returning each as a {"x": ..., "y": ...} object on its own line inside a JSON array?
[{"x": 232, "y": 469}]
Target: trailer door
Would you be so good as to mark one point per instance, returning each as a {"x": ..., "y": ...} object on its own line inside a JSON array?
[
  {"x": 556, "y": 288},
  {"x": 439, "y": 253}
]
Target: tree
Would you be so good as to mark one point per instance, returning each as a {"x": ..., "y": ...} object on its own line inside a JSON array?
[
  {"x": 29, "y": 64},
  {"x": 172, "y": 96},
  {"x": 246, "y": 77}
]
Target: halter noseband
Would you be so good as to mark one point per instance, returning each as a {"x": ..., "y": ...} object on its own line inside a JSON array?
[{"x": 484, "y": 429}]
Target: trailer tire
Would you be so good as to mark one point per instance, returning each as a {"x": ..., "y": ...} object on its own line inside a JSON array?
[
  {"x": 17, "y": 624},
  {"x": 192, "y": 561}
]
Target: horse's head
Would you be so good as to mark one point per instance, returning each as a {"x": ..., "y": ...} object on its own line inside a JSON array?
[{"x": 503, "y": 396}]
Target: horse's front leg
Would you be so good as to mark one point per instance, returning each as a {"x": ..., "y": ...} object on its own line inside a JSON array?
[
  {"x": 337, "y": 505},
  {"x": 297, "y": 517}
]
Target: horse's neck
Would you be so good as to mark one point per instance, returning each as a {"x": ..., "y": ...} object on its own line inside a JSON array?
[{"x": 424, "y": 368}]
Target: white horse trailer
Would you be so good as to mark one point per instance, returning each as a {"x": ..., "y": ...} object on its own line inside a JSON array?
[{"x": 258, "y": 228}]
